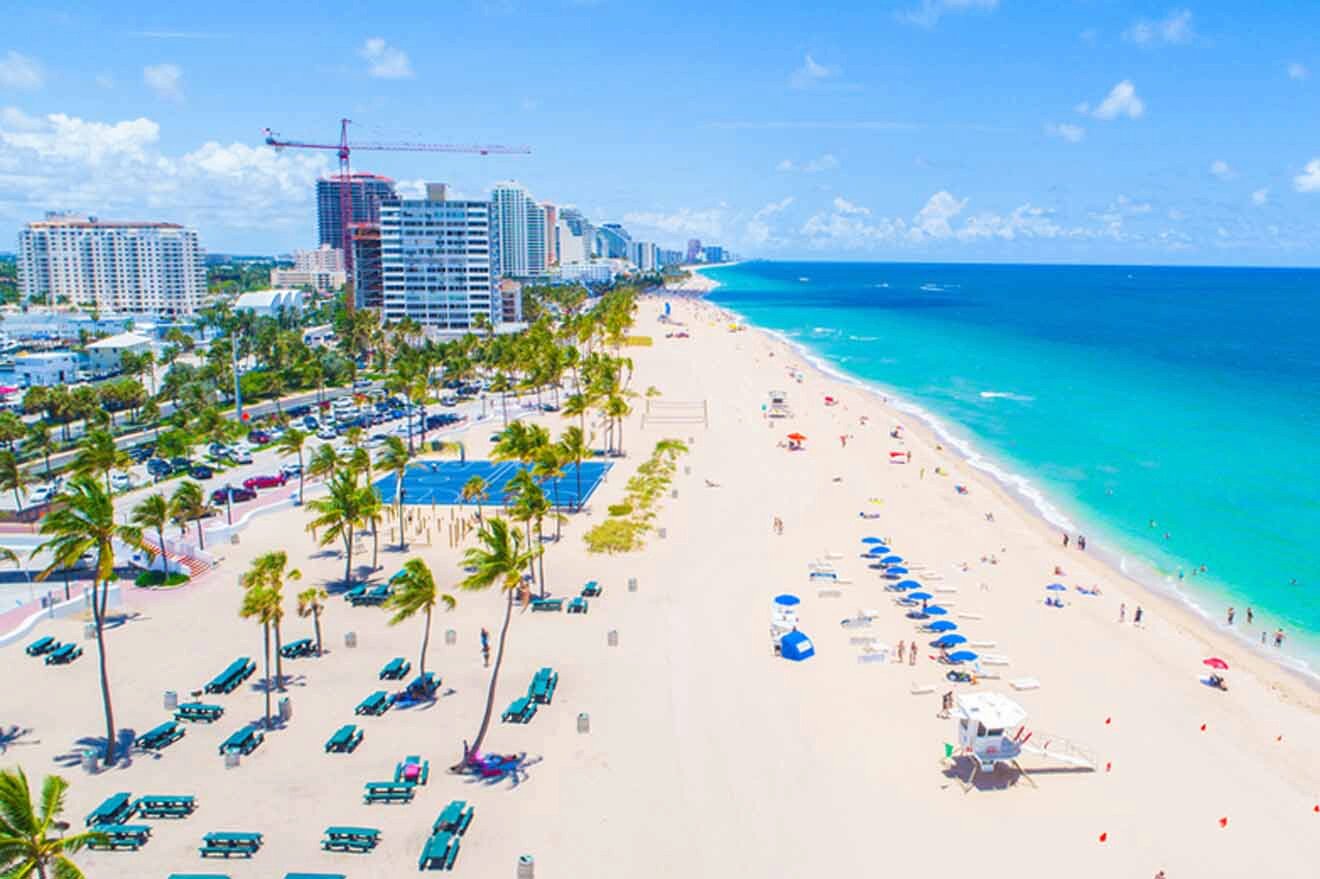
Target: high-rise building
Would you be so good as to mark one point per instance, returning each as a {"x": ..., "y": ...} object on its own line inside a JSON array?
[
  {"x": 670, "y": 258},
  {"x": 438, "y": 260},
  {"x": 368, "y": 191},
  {"x": 572, "y": 247},
  {"x": 368, "y": 280},
  {"x": 551, "y": 234},
  {"x": 321, "y": 269},
  {"x": 520, "y": 230},
  {"x": 612, "y": 241},
  {"x": 643, "y": 254},
  {"x": 140, "y": 268},
  {"x": 694, "y": 249},
  {"x": 714, "y": 253}
]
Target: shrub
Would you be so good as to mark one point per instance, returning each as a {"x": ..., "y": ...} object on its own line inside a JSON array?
[{"x": 157, "y": 579}]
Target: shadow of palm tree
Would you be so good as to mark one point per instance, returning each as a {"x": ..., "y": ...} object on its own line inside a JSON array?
[
  {"x": 14, "y": 736},
  {"x": 124, "y": 737}
]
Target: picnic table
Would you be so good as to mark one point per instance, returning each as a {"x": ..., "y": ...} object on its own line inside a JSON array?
[
  {"x": 115, "y": 809},
  {"x": 439, "y": 853},
  {"x": 376, "y": 704},
  {"x": 591, "y": 589},
  {"x": 455, "y": 818},
  {"x": 520, "y": 710},
  {"x": 64, "y": 654},
  {"x": 423, "y": 685},
  {"x": 42, "y": 645},
  {"x": 228, "y": 680},
  {"x": 387, "y": 792},
  {"x": 160, "y": 736},
  {"x": 114, "y": 836},
  {"x": 543, "y": 686},
  {"x": 297, "y": 649},
  {"x": 412, "y": 770},
  {"x": 243, "y": 741},
  {"x": 396, "y": 669},
  {"x": 345, "y": 740},
  {"x": 198, "y": 712},
  {"x": 577, "y": 605},
  {"x": 350, "y": 839},
  {"x": 162, "y": 806},
  {"x": 547, "y": 604},
  {"x": 229, "y": 843}
]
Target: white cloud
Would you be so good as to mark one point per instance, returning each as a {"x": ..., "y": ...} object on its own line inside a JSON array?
[
  {"x": 1122, "y": 100},
  {"x": 117, "y": 169},
  {"x": 758, "y": 232},
  {"x": 384, "y": 61},
  {"x": 843, "y": 206},
  {"x": 1260, "y": 196},
  {"x": 1298, "y": 71},
  {"x": 1027, "y": 221},
  {"x": 933, "y": 219},
  {"x": 1174, "y": 29},
  {"x": 18, "y": 71},
  {"x": 706, "y": 223},
  {"x": 1221, "y": 169},
  {"x": 166, "y": 80},
  {"x": 929, "y": 12},
  {"x": 1066, "y": 131},
  {"x": 827, "y": 162},
  {"x": 811, "y": 73},
  {"x": 1309, "y": 179}
]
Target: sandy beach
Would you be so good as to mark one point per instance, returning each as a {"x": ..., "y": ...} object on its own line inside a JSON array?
[{"x": 706, "y": 755}]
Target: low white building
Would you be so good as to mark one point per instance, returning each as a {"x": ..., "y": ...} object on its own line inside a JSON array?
[
  {"x": 48, "y": 368},
  {"x": 319, "y": 336},
  {"x": 107, "y": 355},
  {"x": 596, "y": 272},
  {"x": 269, "y": 303}
]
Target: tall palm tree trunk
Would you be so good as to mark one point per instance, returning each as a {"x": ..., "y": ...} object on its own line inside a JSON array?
[
  {"x": 265, "y": 635},
  {"x": 201, "y": 541},
  {"x": 475, "y": 747},
  {"x": 426, "y": 640},
  {"x": 540, "y": 561},
  {"x": 279, "y": 660},
  {"x": 375, "y": 544},
  {"x": 316, "y": 624},
  {"x": 348, "y": 556},
  {"x": 98, "y": 615}
]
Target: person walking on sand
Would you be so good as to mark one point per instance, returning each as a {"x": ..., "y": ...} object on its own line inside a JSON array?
[
  {"x": 1136, "y": 617},
  {"x": 1231, "y": 614},
  {"x": 909, "y": 457},
  {"x": 901, "y": 650},
  {"x": 1278, "y": 638},
  {"x": 1122, "y": 611},
  {"x": 1065, "y": 541},
  {"x": 485, "y": 647},
  {"x": 1081, "y": 542},
  {"x": 1250, "y": 615},
  {"x": 912, "y": 654}
]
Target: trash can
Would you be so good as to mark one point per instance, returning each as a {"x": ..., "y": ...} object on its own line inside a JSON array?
[
  {"x": 171, "y": 700},
  {"x": 674, "y": 494},
  {"x": 613, "y": 637},
  {"x": 232, "y": 759},
  {"x": 89, "y": 760},
  {"x": 89, "y": 631},
  {"x": 687, "y": 469},
  {"x": 584, "y": 722},
  {"x": 632, "y": 584},
  {"x": 526, "y": 867},
  {"x": 286, "y": 709},
  {"x": 350, "y": 639},
  {"x": 661, "y": 533},
  {"x": 451, "y": 637}
]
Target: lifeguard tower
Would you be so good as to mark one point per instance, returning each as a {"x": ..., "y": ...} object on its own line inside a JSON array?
[
  {"x": 777, "y": 407},
  {"x": 991, "y": 729}
]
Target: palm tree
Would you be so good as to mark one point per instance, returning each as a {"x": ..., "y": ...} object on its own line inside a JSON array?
[
  {"x": 292, "y": 443},
  {"x": 259, "y": 604},
  {"x": 549, "y": 464},
  {"x": 474, "y": 490},
  {"x": 339, "y": 514},
  {"x": 12, "y": 477},
  {"x": 154, "y": 512},
  {"x": 393, "y": 458},
  {"x": 616, "y": 408},
  {"x": 414, "y": 591},
  {"x": 325, "y": 462},
  {"x": 86, "y": 523},
  {"x": 573, "y": 447},
  {"x": 311, "y": 602},
  {"x": 26, "y": 846},
  {"x": 39, "y": 440},
  {"x": 187, "y": 504},
  {"x": 529, "y": 505},
  {"x": 497, "y": 560},
  {"x": 99, "y": 455},
  {"x": 371, "y": 513},
  {"x": 268, "y": 572}
]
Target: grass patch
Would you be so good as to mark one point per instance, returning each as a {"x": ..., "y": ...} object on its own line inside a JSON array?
[
  {"x": 638, "y": 341},
  {"x": 159, "y": 579},
  {"x": 630, "y": 520}
]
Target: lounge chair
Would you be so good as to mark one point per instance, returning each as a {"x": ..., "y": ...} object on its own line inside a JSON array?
[
  {"x": 161, "y": 736},
  {"x": 345, "y": 740},
  {"x": 519, "y": 711},
  {"x": 396, "y": 669},
  {"x": 577, "y": 605},
  {"x": 376, "y": 704},
  {"x": 41, "y": 646}
]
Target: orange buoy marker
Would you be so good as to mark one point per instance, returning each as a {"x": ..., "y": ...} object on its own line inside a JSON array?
[
  {"x": 1104, "y": 837},
  {"x": 1107, "y": 720},
  {"x": 1223, "y": 822},
  {"x": 1203, "y": 727}
]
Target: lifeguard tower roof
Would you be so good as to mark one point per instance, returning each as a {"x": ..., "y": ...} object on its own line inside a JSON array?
[{"x": 991, "y": 710}]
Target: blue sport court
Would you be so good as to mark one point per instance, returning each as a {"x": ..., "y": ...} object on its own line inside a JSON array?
[{"x": 441, "y": 482}]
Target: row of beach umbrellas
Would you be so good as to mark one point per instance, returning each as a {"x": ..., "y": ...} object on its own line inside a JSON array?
[{"x": 892, "y": 565}]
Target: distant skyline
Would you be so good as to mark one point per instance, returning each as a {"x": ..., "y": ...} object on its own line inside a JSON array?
[{"x": 936, "y": 130}]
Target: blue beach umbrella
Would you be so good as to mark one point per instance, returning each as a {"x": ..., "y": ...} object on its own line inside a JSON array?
[
  {"x": 963, "y": 656},
  {"x": 1057, "y": 587},
  {"x": 907, "y": 584},
  {"x": 950, "y": 640},
  {"x": 787, "y": 600},
  {"x": 892, "y": 559},
  {"x": 943, "y": 626},
  {"x": 920, "y": 596},
  {"x": 872, "y": 540},
  {"x": 936, "y": 611},
  {"x": 895, "y": 571},
  {"x": 878, "y": 550}
]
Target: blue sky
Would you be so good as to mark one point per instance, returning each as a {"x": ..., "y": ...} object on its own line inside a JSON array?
[{"x": 916, "y": 129}]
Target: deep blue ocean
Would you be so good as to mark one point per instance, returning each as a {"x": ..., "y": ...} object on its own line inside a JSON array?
[{"x": 1127, "y": 403}]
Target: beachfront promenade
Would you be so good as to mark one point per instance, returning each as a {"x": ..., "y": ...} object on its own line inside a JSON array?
[{"x": 706, "y": 755}]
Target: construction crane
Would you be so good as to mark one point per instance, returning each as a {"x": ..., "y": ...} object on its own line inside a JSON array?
[{"x": 344, "y": 149}]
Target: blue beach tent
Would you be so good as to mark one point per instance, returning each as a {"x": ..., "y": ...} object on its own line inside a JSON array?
[{"x": 796, "y": 646}]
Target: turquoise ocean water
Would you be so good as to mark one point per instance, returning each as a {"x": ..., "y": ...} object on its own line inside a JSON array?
[{"x": 1110, "y": 398}]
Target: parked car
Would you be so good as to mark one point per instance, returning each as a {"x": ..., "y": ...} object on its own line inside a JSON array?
[
  {"x": 299, "y": 411},
  {"x": 41, "y": 494},
  {"x": 200, "y": 471},
  {"x": 142, "y": 452},
  {"x": 265, "y": 480},
  {"x": 120, "y": 481},
  {"x": 448, "y": 400},
  {"x": 159, "y": 468},
  {"x": 290, "y": 469},
  {"x": 241, "y": 455},
  {"x": 233, "y": 493},
  {"x": 327, "y": 433},
  {"x": 310, "y": 422},
  {"x": 180, "y": 465},
  {"x": 218, "y": 450},
  {"x": 259, "y": 437}
]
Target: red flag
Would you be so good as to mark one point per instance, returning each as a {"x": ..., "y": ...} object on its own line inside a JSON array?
[
  {"x": 1223, "y": 822},
  {"x": 1203, "y": 727},
  {"x": 1104, "y": 837}
]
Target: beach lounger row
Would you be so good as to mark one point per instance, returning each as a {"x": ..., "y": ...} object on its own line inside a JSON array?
[
  {"x": 228, "y": 844},
  {"x": 412, "y": 770},
  {"x": 351, "y": 839},
  {"x": 387, "y": 792},
  {"x": 197, "y": 712},
  {"x": 244, "y": 741},
  {"x": 542, "y": 688},
  {"x": 439, "y": 853},
  {"x": 359, "y": 596},
  {"x": 345, "y": 740},
  {"x": 161, "y": 736},
  {"x": 115, "y": 809},
  {"x": 63, "y": 654},
  {"x": 120, "y": 836},
  {"x": 376, "y": 704},
  {"x": 41, "y": 646},
  {"x": 519, "y": 711},
  {"x": 454, "y": 819},
  {"x": 298, "y": 649},
  {"x": 161, "y": 806},
  {"x": 228, "y": 680},
  {"x": 396, "y": 669}
]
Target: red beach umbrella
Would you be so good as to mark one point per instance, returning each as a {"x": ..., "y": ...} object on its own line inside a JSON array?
[
  {"x": 1216, "y": 662},
  {"x": 796, "y": 437}
]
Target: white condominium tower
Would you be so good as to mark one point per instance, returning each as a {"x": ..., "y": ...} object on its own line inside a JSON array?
[
  {"x": 437, "y": 262},
  {"x": 520, "y": 230},
  {"x": 142, "y": 268}
]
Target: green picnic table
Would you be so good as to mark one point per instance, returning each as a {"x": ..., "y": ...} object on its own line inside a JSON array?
[
  {"x": 64, "y": 654},
  {"x": 160, "y": 736},
  {"x": 387, "y": 792},
  {"x": 376, "y": 704},
  {"x": 44, "y": 644},
  {"x": 243, "y": 741},
  {"x": 547, "y": 604},
  {"x": 521, "y": 710},
  {"x": 228, "y": 843},
  {"x": 198, "y": 712},
  {"x": 418, "y": 775},
  {"x": 455, "y": 818},
  {"x": 439, "y": 853},
  {"x": 345, "y": 740},
  {"x": 115, "y": 836},
  {"x": 115, "y": 809},
  {"x": 396, "y": 669},
  {"x": 543, "y": 686},
  {"x": 351, "y": 839},
  {"x": 163, "y": 806}
]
